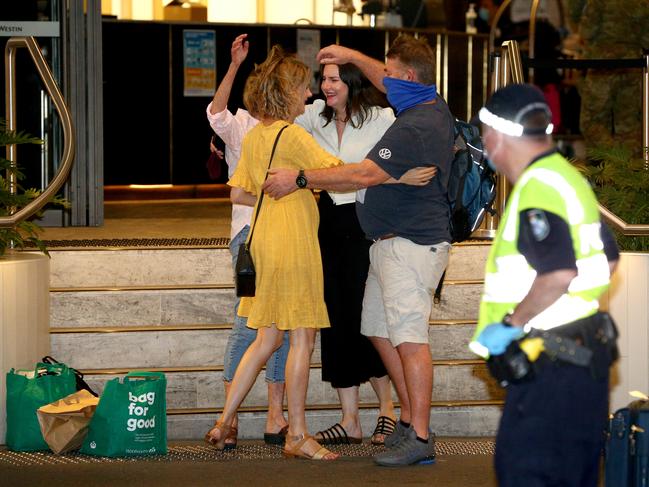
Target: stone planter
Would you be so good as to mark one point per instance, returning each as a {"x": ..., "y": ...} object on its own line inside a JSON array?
[
  {"x": 628, "y": 303},
  {"x": 24, "y": 316}
]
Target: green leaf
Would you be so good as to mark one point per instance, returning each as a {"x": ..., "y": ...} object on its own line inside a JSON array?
[
  {"x": 26, "y": 232},
  {"x": 621, "y": 184}
]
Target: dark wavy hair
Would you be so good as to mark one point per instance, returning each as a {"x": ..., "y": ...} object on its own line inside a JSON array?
[{"x": 362, "y": 96}]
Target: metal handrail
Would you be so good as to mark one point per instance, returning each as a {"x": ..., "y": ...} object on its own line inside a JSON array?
[
  {"x": 494, "y": 25},
  {"x": 62, "y": 174},
  {"x": 514, "y": 63},
  {"x": 531, "y": 31},
  {"x": 627, "y": 229},
  {"x": 511, "y": 61}
]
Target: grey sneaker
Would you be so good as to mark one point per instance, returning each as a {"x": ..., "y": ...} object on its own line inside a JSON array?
[
  {"x": 408, "y": 451},
  {"x": 396, "y": 436}
]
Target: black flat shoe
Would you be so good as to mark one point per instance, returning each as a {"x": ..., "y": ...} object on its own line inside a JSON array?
[{"x": 276, "y": 438}]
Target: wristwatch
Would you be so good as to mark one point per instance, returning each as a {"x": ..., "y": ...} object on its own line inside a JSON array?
[
  {"x": 301, "y": 180},
  {"x": 507, "y": 320}
]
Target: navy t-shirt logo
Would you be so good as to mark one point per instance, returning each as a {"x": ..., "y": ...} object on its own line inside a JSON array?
[{"x": 385, "y": 153}]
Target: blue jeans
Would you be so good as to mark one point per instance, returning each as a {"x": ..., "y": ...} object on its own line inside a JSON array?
[{"x": 241, "y": 336}]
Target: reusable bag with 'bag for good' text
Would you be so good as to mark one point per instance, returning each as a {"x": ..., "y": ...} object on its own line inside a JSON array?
[
  {"x": 28, "y": 390},
  {"x": 131, "y": 418}
]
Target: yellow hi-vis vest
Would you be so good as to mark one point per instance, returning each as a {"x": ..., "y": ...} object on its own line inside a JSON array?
[{"x": 554, "y": 185}]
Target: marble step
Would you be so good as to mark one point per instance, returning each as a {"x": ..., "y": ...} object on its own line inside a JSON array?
[
  {"x": 148, "y": 267},
  {"x": 478, "y": 420},
  {"x": 204, "y": 389},
  {"x": 460, "y": 301},
  {"x": 467, "y": 261},
  {"x": 201, "y": 348},
  {"x": 190, "y": 266}
]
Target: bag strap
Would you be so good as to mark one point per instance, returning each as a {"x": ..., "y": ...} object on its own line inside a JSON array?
[
  {"x": 141, "y": 374},
  {"x": 261, "y": 197},
  {"x": 48, "y": 359}
]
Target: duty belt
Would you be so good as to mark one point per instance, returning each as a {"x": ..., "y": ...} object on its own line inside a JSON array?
[
  {"x": 562, "y": 348},
  {"x": 589, "y": 342}
]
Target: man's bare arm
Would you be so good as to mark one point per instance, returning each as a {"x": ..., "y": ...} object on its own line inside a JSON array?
[
  {"x": 349, "y": 177},
  {"x": 373, "y": 69},
  {"x": 345, "y": 178},
  {"x": 545, "y": 290}
]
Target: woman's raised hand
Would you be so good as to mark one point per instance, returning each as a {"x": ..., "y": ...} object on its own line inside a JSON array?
[{"x": 239, "y": 50}]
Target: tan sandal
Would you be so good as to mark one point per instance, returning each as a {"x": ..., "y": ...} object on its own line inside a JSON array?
[
  {"x": 224, "y": 431},
  {"x": 296, "y": 450}
]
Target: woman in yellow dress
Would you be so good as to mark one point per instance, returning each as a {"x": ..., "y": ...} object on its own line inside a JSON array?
[{"x": 289, "y": 283}]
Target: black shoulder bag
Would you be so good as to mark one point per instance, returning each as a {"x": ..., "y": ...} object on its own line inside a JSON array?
[{"x": 244, "y": 271}]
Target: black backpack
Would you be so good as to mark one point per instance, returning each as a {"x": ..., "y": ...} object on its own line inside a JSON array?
[
  {"x": 471, "y": 187},
  {"x": 471, "y": 184}
]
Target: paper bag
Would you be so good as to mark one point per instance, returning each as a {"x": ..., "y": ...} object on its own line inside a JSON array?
[{"x": 64, "y": 423}]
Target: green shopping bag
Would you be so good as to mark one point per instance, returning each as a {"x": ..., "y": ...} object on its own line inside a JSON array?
[
  {"x": 28, "y": 390},
  {"x": 131, "y": 418}
]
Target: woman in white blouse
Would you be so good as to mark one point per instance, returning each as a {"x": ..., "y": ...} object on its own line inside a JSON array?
[{"x": 347, "y": 123}]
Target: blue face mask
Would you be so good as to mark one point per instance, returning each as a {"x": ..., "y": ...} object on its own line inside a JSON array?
[{"x": 404, "y": 94}]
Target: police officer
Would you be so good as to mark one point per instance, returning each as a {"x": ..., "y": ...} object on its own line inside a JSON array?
[{"x": 539, "y": 324}]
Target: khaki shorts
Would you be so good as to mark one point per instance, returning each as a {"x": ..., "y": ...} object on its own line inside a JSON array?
[{"x": 399, "y": 288}]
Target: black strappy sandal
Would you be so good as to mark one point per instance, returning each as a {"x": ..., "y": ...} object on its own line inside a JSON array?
[
  {"x": 336, "y": 435},
  {"x": 384, "y": 426}
]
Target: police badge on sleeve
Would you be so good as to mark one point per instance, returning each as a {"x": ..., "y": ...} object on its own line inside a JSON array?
[{"x": 539, "y": 224}]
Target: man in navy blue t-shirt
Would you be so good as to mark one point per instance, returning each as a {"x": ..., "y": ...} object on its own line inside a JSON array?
[{"x": 409, "y": 225}]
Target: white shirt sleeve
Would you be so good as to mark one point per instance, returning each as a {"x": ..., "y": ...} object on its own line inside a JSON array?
[
  {"x": 385, "y": 118},
  {"x": 310, "y": 117},
  {"x": 231, "y": 128}
]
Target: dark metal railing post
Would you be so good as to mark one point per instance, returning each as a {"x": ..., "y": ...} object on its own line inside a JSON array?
[
  {"x": 645, "y": 110},
  {"x": 532, "y": 37}
]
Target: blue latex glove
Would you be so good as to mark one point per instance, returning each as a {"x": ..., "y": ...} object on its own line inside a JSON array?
[{"x": 497, "y": 336}]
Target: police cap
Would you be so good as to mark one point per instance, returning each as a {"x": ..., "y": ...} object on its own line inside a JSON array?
[{"x": 510, "y": 110}]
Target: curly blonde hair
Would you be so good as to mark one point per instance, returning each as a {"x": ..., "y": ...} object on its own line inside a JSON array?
[{"x": 273, "y": 89}]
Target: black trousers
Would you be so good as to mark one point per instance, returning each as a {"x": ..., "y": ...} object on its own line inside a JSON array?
[
  {"x": 552, "y": 428},
  {"x": 348, "y": 358}
]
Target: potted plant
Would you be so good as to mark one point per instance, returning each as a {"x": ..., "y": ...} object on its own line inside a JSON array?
[
  {"x": 24, "y": 276},
  {"x": 26, "y": 232},
  {"x": 621, "y": 183}
]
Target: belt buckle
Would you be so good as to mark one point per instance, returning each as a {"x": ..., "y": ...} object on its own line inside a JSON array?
[{"x": 387, "y": 236}]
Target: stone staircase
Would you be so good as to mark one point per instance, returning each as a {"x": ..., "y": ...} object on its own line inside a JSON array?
[{"x": 170, "y": 309}]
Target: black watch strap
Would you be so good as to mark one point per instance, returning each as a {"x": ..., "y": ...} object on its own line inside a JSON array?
[{"x": 300, "y": 180}]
